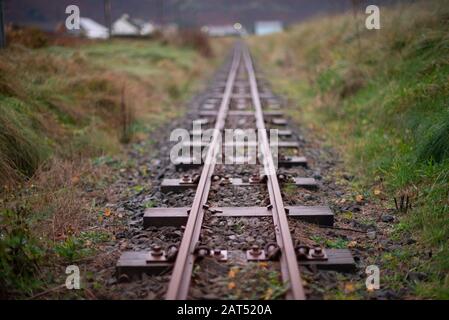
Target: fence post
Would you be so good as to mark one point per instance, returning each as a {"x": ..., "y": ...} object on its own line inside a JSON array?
[
  {"x": 2, "y": 27},
  {"x": 107, "y": 16}
]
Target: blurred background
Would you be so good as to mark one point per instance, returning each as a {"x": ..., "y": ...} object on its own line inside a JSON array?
[{"x": 216, "y": 17}]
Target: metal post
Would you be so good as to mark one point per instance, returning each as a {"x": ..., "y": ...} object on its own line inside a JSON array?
[
  {"x": 107, "y": 15},
  {"x": 162, "y": 12},
  {"x": 2, "y": 27}
]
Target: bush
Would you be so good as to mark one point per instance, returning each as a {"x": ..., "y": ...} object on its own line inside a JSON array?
[
  {"x": 29, "y": 37},
  {"x": 19, "y": 254},
  {"x": 194, "y": 39}
]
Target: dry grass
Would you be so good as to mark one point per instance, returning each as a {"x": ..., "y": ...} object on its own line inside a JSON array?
[
  {"x": 29, "y": 37},
  {"x": 380, "y": 98},
  {"x": 62, "y": 107},
  {"x": 58, "y": 193}
]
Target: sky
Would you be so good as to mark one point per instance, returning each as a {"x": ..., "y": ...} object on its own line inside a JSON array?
[{"x": 191, "y": 13}]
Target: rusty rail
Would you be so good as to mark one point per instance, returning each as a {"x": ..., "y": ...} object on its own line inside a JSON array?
[
  {"x": 180, "y": 280},
  {"x": 289, "y": 263},
  {"x": 181, "y": 276},
  {"x": 182, "y": 259}
]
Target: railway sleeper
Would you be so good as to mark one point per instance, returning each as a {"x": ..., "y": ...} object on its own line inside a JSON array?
[
  {"x": 278, "y": 121},
  {"x": 240, "y": 144},
  {"x": 219, "y": 95},
  {"x": 240, "y": 113},
  {"x": 160, "y": 217},
  {"x": 281, "y": 133},
  {"x": 133, "y": 264},
  {"x": 186, "y": 163},
  {"x": 191, "y": 182}
]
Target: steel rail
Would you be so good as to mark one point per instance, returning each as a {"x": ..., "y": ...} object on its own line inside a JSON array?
[
  {"x": 178, "y": 287},
  {"x": 289, "y": 264}
]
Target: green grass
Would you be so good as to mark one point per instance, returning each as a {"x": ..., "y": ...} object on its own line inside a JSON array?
[
  {"x": 20, "y": 254},
  {"x": 61, "y": 133},
  {"x": 66, "y": 101},
  {"x": 133, "y": 57},
  {"x": 389, "y": 103}
]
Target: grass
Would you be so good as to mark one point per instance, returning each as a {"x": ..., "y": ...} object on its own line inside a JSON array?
[
  {"x": 257, "y": 281},
  {"x": 81, "y": 97},
  {"x": 65, "y": 115},
  {"x": 387, "y": 99}
]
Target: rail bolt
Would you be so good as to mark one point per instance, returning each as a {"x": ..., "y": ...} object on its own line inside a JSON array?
[
  {"x": 172, "y": 252},
  {"x": 202, "y": 251},
  {"x": 255, "y": 250},
  {"x": 156, "y": 251},
  {"x": 317, "y": 252},
  {"x": 217, "y": 253},
  {"x": 302, "y": 251},
  {"x": 273, "y": 251}
]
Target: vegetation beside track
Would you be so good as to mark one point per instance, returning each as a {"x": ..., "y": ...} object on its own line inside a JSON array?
[
  {"x": 381, "y": 98},
  {"x": 66, "y": 113}
]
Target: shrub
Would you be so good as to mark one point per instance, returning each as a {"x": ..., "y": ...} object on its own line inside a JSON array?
[
  {"x": 19, "y": 254},
  {"x": 29, "y": 37}
]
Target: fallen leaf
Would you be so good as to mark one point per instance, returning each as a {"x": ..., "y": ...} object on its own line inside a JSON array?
[
  {"x": 231, "y": 285},
  {"x": 107, "y": 212},
  {"x": 69, "y": 230},
  {"x": 233, "y": 272},
  {"x": 349, "y": 287},
  {"x": 352, "y": 244},
  {"x": 268, "y": 294}
]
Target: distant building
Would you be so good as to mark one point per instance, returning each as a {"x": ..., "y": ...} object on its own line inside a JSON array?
[
  {"x": 125, "y": 26},
  {"x": 267, "y": 27},
  {"x": 224, "y": 30},
  {"x": 92, "y": 30}
]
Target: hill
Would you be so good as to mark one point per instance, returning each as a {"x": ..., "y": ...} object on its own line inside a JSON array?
[{"x": 381, "y": 98}]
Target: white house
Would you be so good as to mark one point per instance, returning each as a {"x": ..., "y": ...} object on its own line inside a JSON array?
[
  {"x": 262, "y": 28},
  {"x": 125, "y": 26},
  {"x": 224, "y": 30},
  {"x": 147, "y": 29},
  {"x": 93, "y": 30}
]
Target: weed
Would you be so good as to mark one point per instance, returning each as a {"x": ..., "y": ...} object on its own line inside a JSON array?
[
  {"x": 20, "y": 254},
  {"x": 256, "y": 281},
  {"x": 71, "y": 249},
  {"x": 238, "y": 227},
  {"x": 149, "y": 204},
  {"x": 388, "y": 105}
]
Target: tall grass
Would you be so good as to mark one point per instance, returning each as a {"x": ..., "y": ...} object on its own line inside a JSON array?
[
  {"x": 61, "y": 108},
  {"x": 389, "y": 105},
  {"x": 68, "y": 101}
]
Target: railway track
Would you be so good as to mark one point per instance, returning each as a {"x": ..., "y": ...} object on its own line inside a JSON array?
[{"x": 238, "y": 98}]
